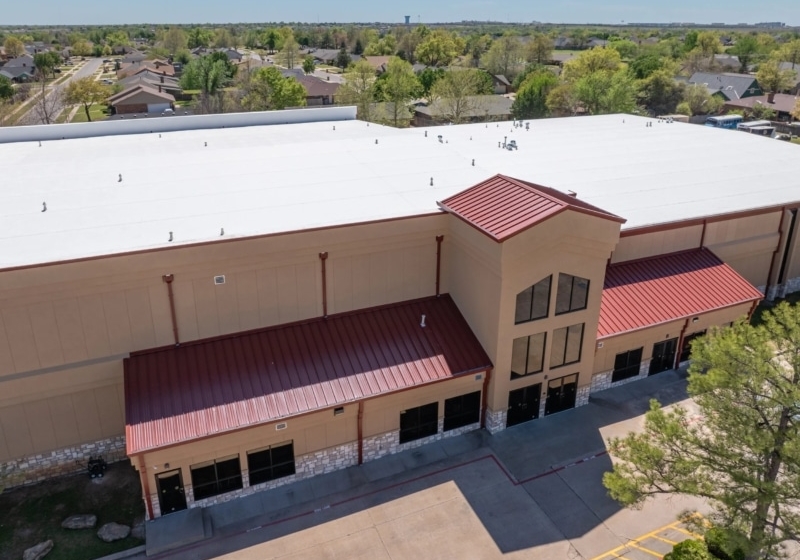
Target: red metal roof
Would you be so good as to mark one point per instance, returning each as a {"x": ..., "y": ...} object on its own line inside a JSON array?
[
  {"x": 645, "y": 293},
  {"x": 179, "y": 394},
  {"x": 502, "y": 207}
]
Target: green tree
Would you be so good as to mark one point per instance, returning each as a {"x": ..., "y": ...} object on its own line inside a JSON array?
[
  {"x": 627, "y": 49},
  {"x": 268, "y": 89},
  {"x": 457, "y": 93},
  {"x": 760, "y": 111},
  {"x": 539, "y": 49},
  {"x": 86, "y": 92},
  {"x": 709, "y": 45},
  {"x": 6, "y": 88},
  {"x": 359, "y": 89},
  {"x": 791, "y": 52},
  {"x": 591, "y": 61},
  {"x": 46, "y": 62},
  {"x": 386, "y": 45},
  {"x": 531, "y": 99},
  {"x": 699, "y": 102},
  {"x": 644, "y": 65},
  {"x": 772, "y": 78},
  {"x": 290, "y": 53},
  {"x": 118, "y": 39},
  {"x": 81, "y": 47},
  {"x": 13, "y": 47},
  {"x": 428, "y": 77},
  {"x": 359, "y": 47},
  {"x": 562, "y": 101},
  {"x": 174, "y": 40},
  {"x": 183, "y": 56},
  {"x": 477, "y": 45},
  {"x": 660, "y": 93},
  {"x": 397, "y": 86},
  {"x": 439, "y": 48},
  {"x": 604, "y": 92},
  {"x": 796, "y": 110},
  {"x": 343, "y": 59},
  {"x": 199, "y": 37},
  {"x": 206, "y": 73},
  {"x": 505, "y": 57},
  {"x": 690, "y": 41},
  {"x": 744, "y": 456},
  {"x": 308, "y": 64},
  {"x": 689, "y": 550},
  {"x": 746, "y": 48},
  {"x": 224, "y": 39}
]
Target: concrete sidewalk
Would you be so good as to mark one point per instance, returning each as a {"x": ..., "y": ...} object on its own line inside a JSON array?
[{"x": 518, "y": 456}]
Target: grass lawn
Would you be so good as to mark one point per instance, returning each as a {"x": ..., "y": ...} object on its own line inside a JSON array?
[
  {"x": 34, "y": 514},
  {"x": 764, "y": 306},
  {"x": 98, "y": 113}
]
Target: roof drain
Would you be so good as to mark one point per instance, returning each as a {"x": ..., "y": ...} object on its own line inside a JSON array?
[
  {"x": 324, "y": 257},
  {"x": 169, "y": 278}
]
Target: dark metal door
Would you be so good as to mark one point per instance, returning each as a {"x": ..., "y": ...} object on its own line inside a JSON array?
[
  {"x": 561, "y": 394},
  {"x": 663, "y": 356},
  {"x": 170, "y": 492},
  {"x": 523, "y": 404}
]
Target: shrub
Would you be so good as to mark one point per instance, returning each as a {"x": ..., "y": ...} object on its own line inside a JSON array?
[
  {"x": 725, "y": 544},
  {"x": 689, "y": 550}
]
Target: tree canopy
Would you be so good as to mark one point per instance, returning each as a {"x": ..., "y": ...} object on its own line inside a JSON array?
[
  {"x": 268, "y": 89},
  {"x": 86, "y": 92},
  {"x": 743, "y": 455},
  {"x": 531, "y": 99}
]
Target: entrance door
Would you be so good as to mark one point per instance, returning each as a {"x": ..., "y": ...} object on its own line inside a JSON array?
[
  {"x": 663, "y": 356},
  {"x": 523, "y": 404},
  {"x": 561, "y": 394},
  {"x": 170, "y": 492}
]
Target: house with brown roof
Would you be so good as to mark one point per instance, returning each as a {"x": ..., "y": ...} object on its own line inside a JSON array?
[
  {"x": 319, "y": 92},
  {"x": 141, "y": 98},
  {"x": 155, "y": 66},
  {"x": 378, "y": 62},
  {"x": 782, "y": 103}
]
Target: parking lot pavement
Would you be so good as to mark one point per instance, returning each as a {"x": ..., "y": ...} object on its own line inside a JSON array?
[{"x": 654, "y": 544}]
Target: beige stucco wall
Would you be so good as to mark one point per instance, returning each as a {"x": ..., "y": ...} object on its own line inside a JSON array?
[
  {"x": 55, "y": 319},
  {"x": 309, "y": 433},
  {"x": 572, "y": 243},
  {"x": 746, "y": 243},
  {"x": 646, "y": 338}
]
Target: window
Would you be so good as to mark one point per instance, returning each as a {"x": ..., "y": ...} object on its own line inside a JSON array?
[
  {"x": 527, "y": 355},
  {"x": 573, "y": 292},
  {"x": 216, "y": 477},
  {"x": 420, "y": 422},
  {"x": 566, "y": 347},
  {"x": 626, "y": 365},
  {"x": 270, "y": 463},
  {"x": 462, "y": 411},
  {"x": 533, "y": 303}
]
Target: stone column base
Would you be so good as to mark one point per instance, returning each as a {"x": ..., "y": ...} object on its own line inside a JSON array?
[{"x": 496, "y": 420}]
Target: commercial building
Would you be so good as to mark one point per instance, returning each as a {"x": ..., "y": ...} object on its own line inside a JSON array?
[{"x": 235, "y": 302}]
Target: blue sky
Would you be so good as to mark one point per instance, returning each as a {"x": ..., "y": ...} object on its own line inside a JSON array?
[{"x": 45, "y": 12}]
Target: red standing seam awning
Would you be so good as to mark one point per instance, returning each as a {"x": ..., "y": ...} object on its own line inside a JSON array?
[
  {"x": 179, "y": 394},
  {"x": 649, "y": 292}
]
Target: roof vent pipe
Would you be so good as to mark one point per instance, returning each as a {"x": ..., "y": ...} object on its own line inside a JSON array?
[
  {"x": 426, "y": 134},
  {"x": 120, "y": 178},
  {"x": 473, "y": 162},
  {"x": 573, "y": 194},
  {"x": 422, "y": 322},
  {"x": 205, "y": 144},
  {"x": 170, "y": 236},
  {"x": 40, "y": 143},
  {"x": 376, "y": 140},
  {"x": 334, "y": 127},
  {"x": 44, "y": 207},
  {"x": 222, "y": 231},
  {"x": 431, "y": 181}
]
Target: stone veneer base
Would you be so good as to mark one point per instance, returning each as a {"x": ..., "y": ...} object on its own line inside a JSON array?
[
  {"x": 36, "y": 468},
  {"x": 322, "y": 462},
  {"x": 602, "y": 381}
]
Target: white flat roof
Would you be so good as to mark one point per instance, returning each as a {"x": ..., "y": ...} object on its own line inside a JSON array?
[{"x": 270, "y": 179}]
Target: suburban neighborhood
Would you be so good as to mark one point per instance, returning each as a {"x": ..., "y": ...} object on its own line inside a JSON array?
[{"x": 399, "y": 290}]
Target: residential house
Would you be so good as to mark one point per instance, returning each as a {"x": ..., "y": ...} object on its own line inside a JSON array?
[
  {"x": 481, "y": 108},
  {"x": 20, "y": 69},
  {"x": 727, "y": 85},
  {"x": 154, "y": 66},
  {"x": 325, "y": 56},
  {"x": 500, "y": 84},
  {"x": 233, "y": 55},
  {"x": 318, "y": 92},
  {"x": 141, "y": 98},
  {"x": 728, "y": 62},
  {"x": 133, "y": 56},
  {"x": 783, "y": 104},
  {"x": 168, "y": 84},
  {"x": 378, "y": 63}
]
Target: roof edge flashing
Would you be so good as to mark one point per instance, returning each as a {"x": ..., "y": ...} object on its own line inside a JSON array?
[{"x": 174, "y": 123}]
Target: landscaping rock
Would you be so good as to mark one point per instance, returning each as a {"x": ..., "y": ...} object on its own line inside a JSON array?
[
  {"x": 137, "y": 531},
  {"x": 85, "y": 521},
  {"x": 111, "y": 532},
  {"x": 38, "y": 551}
]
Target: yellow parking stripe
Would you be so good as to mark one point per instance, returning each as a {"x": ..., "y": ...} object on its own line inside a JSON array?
[
  {"x": 647, "y": 550},
  {"x": 615, "y": 553}
]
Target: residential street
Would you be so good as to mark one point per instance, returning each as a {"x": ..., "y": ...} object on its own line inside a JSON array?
[{"x": 89, "y": 67}]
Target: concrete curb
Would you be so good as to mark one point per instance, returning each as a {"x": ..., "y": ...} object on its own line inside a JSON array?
[{"x": 124, "y": 553}]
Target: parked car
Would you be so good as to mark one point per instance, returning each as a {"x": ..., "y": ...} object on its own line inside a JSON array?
[
  {"x": 168, "y": 111},
  {"x": 107, "y": 81}
]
